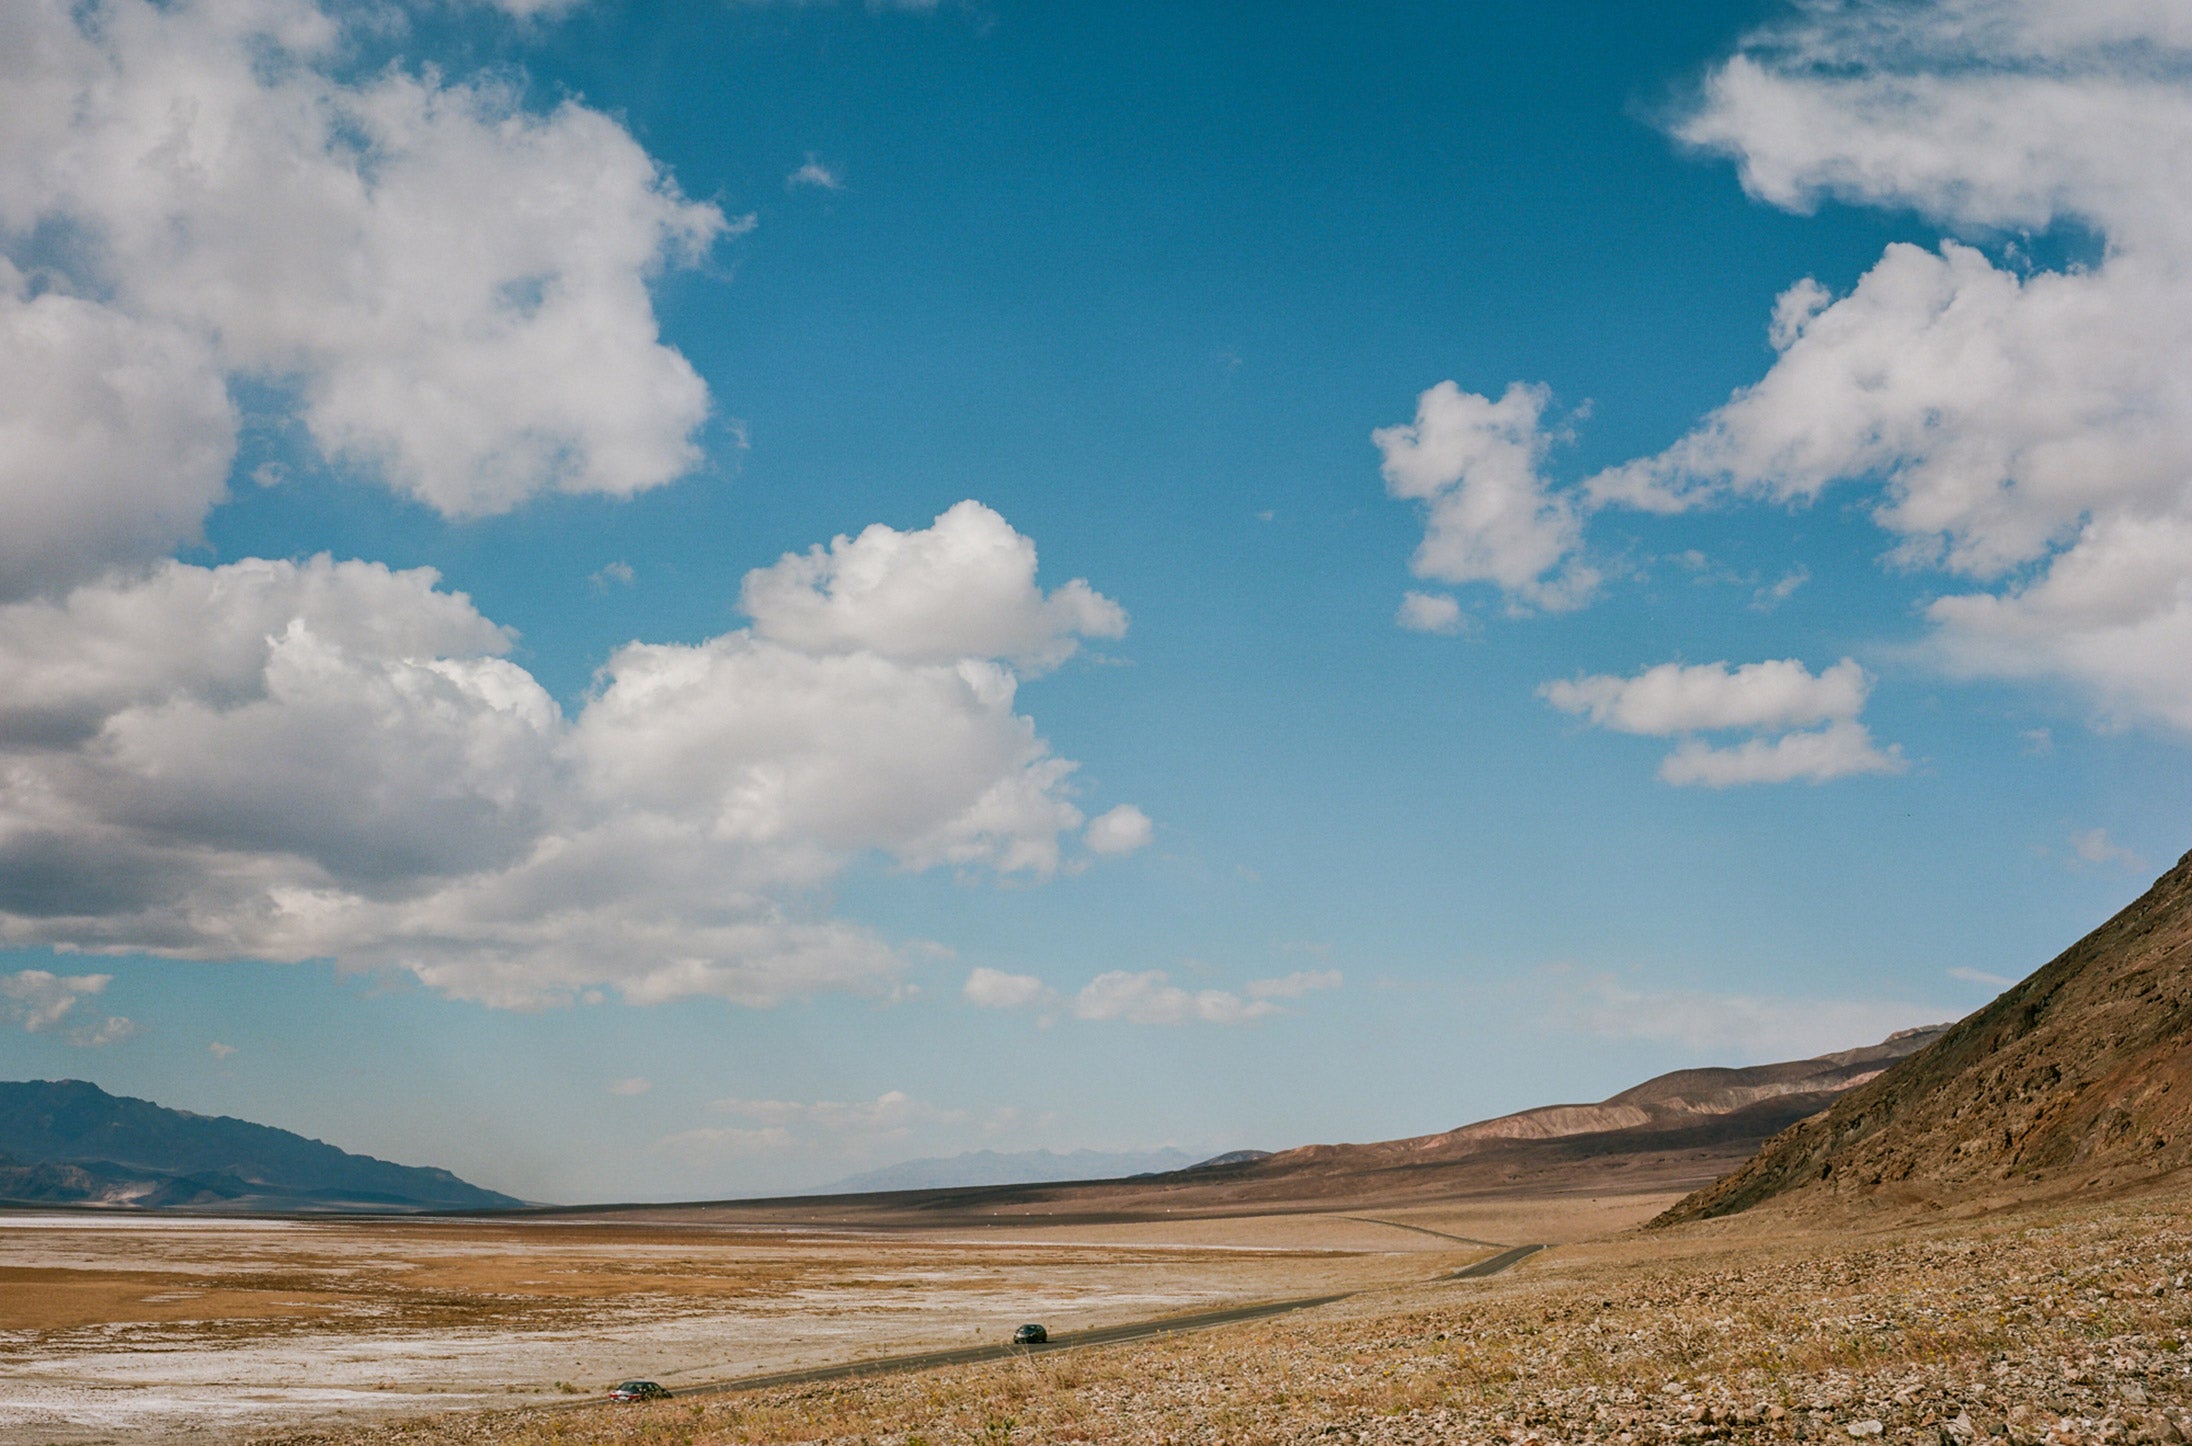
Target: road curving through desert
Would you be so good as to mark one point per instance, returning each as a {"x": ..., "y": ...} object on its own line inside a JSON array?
[{"x": 1103, "y": 1336}]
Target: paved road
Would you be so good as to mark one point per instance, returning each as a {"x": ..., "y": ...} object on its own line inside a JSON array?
[
  {"x": 1497, "y": 1263},
  {"x": 929, "y": 1360},
  {"x": 1107, "y": 1335},
  {"x": 1426, "y": 1230}
]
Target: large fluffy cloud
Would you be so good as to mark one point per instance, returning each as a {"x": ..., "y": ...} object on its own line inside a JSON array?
[
  {"x": 116, "y": 435},
  {"x": 451, "y": 286},
  {"x": 2030, "y": 429},
  {"x": 2023, "y": 429},
  {"x": 325, "y": 759}
]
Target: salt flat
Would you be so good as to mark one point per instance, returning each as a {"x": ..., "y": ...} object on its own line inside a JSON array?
[{"x": 118, "y": 1328}]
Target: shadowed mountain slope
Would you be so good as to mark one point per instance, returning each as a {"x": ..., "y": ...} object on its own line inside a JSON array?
[
  {"x": 68, "y": 1142},
  {"x": 2081, "y": 1075}
]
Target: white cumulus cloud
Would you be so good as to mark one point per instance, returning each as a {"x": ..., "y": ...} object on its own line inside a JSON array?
[
  {"x": 1804, "y": 724},
  {"x": 1842, "y": 749},
  {"x": 2019, "y": 427},
  {"x": 1120, "y": 830},
  {"x": 116, "y": 435},
  {"x": 1672, "y": 698},
  {"x": 450, "y": 285},
  {"x": 1429, "y": 612},
  {"x": 336, "y": 760},
  {"x": 2028, "y": 429},
  {"x": 1490, "y": 515},
  {"x": 994, "y": 989},
  {"x": 962, "y": 587}
]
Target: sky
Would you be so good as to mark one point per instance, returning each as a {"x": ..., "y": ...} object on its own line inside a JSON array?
[{"x": 650, "y": 602}]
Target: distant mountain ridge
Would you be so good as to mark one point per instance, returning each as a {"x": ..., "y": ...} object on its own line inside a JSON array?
[
  {"x": 2078, "y": 1076},
  {"x": 66, "y": 1142},
  {"x": 1024, "y": 1167},
  {"x": 1686, "y": 1096},
  {"x": 1666, "y": 1136},
  {"x": 1686, "y": 1108}
]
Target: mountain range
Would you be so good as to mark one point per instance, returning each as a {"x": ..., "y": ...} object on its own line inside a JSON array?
[
  {"x": 2078, "y": 1077},
  {"x": 66, "y": 1142}
]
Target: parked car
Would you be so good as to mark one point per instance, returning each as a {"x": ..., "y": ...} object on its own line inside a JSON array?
[
  {"x": 1030, "y": 1335},
  {"x": 638, "y": 1391}
]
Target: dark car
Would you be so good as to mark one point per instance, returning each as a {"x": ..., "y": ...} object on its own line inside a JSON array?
[
  {"x": 638, "y": 1391},
  {"x": 1030, "y": 1335}
]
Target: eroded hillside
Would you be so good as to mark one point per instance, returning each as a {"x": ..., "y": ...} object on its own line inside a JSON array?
[{"x": 2080, "y": 1075}]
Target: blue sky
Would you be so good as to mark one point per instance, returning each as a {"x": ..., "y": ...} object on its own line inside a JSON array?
[{"x": 1569, "y": 542}]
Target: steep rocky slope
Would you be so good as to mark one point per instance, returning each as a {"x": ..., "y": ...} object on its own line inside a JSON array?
[{"x": 2081, "y": 1075}]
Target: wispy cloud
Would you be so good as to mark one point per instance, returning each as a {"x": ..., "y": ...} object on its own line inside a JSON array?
[
  {"x": 1967, "y": 975},
  {"x": 2094, "y": 847},
  {"x": 1766, "y": 599},
  {"x": 1146, "y": 997},
  {"x": 890, "y": 1114},
  {"x": 38, "y": 1000},
  {"x": 715, "y": 1142},
  {"x": 814, "y": 175},
  {"x": 1429, "y": 612},
  {"x": 1735, "y": 1027}
]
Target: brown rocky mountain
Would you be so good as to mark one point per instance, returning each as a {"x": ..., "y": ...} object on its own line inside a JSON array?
[
  {"x": 2081, "y": 1076},
  {"x": 1661, "y": 1134}
]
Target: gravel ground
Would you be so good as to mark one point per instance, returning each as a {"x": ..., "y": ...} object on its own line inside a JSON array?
[{"x": 2065, "y": 1327}]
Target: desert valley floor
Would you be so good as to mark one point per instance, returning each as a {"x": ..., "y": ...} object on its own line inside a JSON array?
[
  {"x": 116, "y": 1327},
  {"x": 2026, "y": 1323}
]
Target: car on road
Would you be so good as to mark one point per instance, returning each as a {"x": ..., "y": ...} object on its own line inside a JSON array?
[
  {"x": 1030, "y": 1335},
  {"x": 638, "y": 1391}
]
